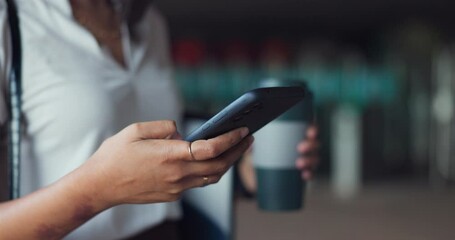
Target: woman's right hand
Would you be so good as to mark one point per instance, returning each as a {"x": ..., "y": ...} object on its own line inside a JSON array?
[
  {"x": 144, "y": 164},
  {"x": 140, "y": 164}
]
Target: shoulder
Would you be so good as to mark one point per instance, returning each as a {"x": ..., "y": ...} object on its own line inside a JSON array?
[
  {"x": 156, "y": 19},
  {"x": 155, "y": 14},
  {"x": 152, "y": 28}
]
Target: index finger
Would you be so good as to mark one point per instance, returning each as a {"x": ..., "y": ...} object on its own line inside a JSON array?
[{"x": 213, "y": 147}]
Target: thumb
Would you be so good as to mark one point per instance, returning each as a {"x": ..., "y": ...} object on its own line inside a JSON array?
[{"x": 150, "y": 130}]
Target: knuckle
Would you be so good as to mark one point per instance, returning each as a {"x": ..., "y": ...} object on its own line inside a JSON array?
[
  {"x": 170, "y": 125},
  {"x": 135, "y": 128},
  {"x": 212, "y": 150},
  {"x": 170, "y": 179},
  {"x": 176, "y": 190},
  {"x": 108, "y": 141},
  {"x": 176, "y": 174},
  {"x": 222, "y": 168},
  {"x": 235, "y": 139},
  {"x": 216, "y": 178},
  {"x": 171, "y": 197},
  {"x": 173, "y": 178},
  {"x": 166, "y": 157},
  {"x": 180, "y": 172}
]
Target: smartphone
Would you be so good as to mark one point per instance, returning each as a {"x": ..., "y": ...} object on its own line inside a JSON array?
[{"x": 254, "y": 109}]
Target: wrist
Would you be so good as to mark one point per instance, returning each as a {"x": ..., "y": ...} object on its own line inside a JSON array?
[{"x": 87, "y": 187}]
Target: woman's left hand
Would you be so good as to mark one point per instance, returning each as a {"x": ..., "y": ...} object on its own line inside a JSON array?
[
  {"x": 307, "y": 161},
  {"x": 308, "y": 153}
]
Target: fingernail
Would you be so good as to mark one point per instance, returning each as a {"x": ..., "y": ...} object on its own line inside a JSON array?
[{"x": 244, "y": 132}]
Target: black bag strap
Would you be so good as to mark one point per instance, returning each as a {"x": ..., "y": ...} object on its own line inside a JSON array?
[{"x": 14, "y": 103}]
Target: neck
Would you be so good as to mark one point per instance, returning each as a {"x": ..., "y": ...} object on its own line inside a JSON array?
[{"x": 103, "y": 21}]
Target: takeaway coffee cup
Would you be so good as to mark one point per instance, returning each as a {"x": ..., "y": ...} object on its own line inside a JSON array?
[{"x": 280, "y": 186}]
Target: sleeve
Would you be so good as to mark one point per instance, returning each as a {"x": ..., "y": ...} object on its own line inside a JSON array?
[{"x": 4, "y": 59}]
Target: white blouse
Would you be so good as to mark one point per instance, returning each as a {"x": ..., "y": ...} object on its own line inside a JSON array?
[{"x": 75, "y": 95}]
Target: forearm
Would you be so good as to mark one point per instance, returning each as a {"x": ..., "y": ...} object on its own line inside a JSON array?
[
  {"x": 52, "y": 212},
  {"x": 140, "y": 164}
]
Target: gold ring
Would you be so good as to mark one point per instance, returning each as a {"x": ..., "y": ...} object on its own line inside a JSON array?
[
  {"x": 191, "y": 151},
  {"x": 206, "y": 181}
]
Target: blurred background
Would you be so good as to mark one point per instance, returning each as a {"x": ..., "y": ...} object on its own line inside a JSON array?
[{"x": 383, "y": 75}]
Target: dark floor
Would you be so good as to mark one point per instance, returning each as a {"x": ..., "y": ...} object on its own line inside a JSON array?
[{"x": 391, "y": 211}]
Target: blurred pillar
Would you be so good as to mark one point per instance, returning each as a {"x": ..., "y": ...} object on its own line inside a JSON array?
[
  {"x": 346, "y": 151},
  {"x": 442, "y": 164}
]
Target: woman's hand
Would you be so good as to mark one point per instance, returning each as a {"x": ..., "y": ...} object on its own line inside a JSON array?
[
  {"x": 144, "y": 164},
  {"x": 309, "y": 156},
  {"x": 306, "y": 162},
  {"x": 141, "y": 164}
]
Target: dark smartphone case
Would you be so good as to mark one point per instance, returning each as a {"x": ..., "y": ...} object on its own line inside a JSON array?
[{"x": 254, "y": 109}]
